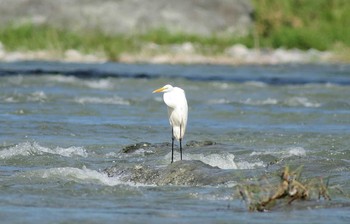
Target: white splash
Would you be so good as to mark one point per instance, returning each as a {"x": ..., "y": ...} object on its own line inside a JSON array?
[
  {"x": 222, "y": 161},
  {"x": 79, "y": 175},
  {"x": 11, "y": 99},
  {"x": 292, "y": 102},
  {"x": 99, "y": 100},
  {"x": 283, "y": 153},
  {"x": 296, "y": 151},
  {"x": 99, "y": 84},
  {"x": 28, "y": 149},
  {"x": 62, "y": 79},
  {"x": 268, "y": 101},
  {"x": 222, "y": 85},
  {"x": 93, "y": 84},
  {"x": 301, "y": 101},
  {"x": 219, "y": 101},
  {"x": 247, "y": 165},
  {"x": 83, "y": 175},
  {"x": 37, "y": 96},
  {"x": 256, "y": 84}
]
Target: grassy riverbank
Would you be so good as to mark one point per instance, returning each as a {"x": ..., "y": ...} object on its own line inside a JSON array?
[
  {"x": 304, "y": 24},
  {"x": 317, "y": 24}
]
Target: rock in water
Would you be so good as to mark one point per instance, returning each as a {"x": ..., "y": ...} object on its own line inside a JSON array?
[
  {"x": 199, "y": 143},
  {"x": 134, "y": 147},
  {"x": 192, "y": 173}
]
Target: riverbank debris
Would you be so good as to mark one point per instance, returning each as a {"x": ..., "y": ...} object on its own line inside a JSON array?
[{"x": 264, "y": 195}]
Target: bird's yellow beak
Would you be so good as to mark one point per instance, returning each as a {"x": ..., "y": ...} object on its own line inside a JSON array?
[{"x": 159, "y": 90}]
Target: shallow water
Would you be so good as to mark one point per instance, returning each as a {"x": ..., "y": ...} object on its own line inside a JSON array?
[{"x": 64, "y": 128}]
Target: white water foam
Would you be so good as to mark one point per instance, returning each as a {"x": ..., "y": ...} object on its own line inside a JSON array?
[
  {"x": 256, "y": 83},
  {"x": 221, "y": 85},
  {"x": 83, "y": 175},
  {"x": 62, "y": 79},
  {"x": 244, "y": 165},
  {"x": 283, "y": 153},
  {"x": 79, "y": 175},
  {"x": 219, "y": 101},
  {"x": 99, "y": 100},
  {"x": 301, "y": 101},
  {"x": 223, "y": 161},
  {"x": 93, "y": 84},
  {"x": 99, "y": 84},
  {"x": 292, "y": 102},
  {"x": 268, "y": 101},
  {"x": 249, "y": 101},
  {"x": 28, "y": 149},
  {"x": 37, "y": 96},
  {"x": 296, "y": 151}
]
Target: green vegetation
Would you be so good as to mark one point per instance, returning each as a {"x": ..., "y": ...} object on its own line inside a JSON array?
[
  {"x": 304, "y": 24},
  {"x": 29, "y": 37}
]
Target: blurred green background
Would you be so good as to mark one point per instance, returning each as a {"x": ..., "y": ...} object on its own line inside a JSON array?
[{"x": 303, "y": 24}]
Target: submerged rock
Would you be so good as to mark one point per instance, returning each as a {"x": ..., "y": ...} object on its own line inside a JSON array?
[
  {"x": 200, "y": 143},
  {"x": 193, "y": 173},
  {"x": 146, "y": 145},
  {"x": 134, "y": 147},
  {"x": 185, "y": 172},
  {"x": 204, "y": 163}
]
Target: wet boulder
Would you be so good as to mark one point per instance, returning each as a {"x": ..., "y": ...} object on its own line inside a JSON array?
[{"x": 192, "y": 173}]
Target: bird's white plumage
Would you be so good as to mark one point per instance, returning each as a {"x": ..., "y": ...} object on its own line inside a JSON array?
[{"x": 175, "y": 99}]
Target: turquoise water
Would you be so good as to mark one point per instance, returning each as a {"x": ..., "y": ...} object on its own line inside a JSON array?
[{"x": 64, "y": 127}]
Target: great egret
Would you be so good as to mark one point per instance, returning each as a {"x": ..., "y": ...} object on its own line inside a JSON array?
[{"x": 175, "y": 99}]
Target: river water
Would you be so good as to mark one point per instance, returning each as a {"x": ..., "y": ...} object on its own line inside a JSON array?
[{"x": 89, "y": 143}]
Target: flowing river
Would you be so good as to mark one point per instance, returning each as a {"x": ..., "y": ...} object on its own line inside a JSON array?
[{"x": 90, "y": 143}]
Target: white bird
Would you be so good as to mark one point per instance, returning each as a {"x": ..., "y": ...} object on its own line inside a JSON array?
[{"x": 175, "y": 99}]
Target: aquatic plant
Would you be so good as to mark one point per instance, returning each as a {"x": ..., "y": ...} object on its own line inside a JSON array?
[{"x": 264, "y": 195}]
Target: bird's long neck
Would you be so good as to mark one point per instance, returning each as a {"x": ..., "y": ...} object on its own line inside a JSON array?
[{"x": 169, "y": 101}]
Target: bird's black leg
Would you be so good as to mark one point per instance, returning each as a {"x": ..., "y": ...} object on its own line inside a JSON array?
[
  {"x": 180, "y": 148},
  {"x": 172, "y": 145},
  {"x": 180, "y": 144}
]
